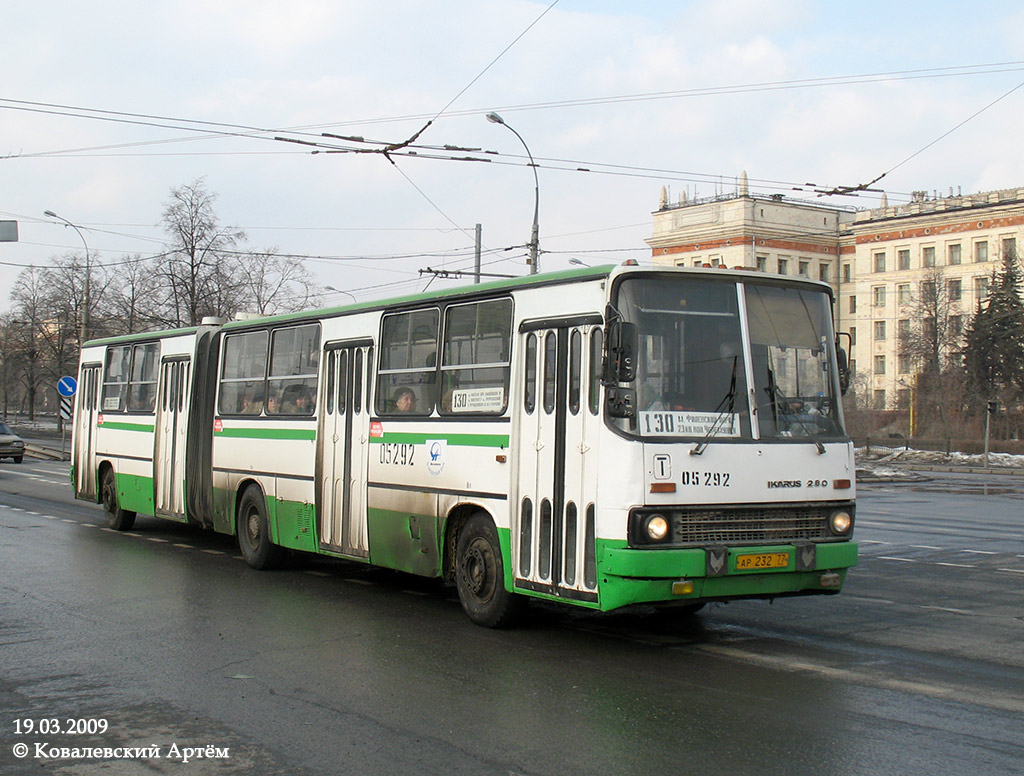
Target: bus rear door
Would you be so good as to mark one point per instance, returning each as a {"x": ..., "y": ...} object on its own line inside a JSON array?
[
  {"x": 342, "y": 444},
  {"x": 85, "y": 431},
  {"x": 170, "y": 438}
]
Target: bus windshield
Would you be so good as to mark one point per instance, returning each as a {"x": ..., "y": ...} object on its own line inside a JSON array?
[{"x": 693, "y": 359}]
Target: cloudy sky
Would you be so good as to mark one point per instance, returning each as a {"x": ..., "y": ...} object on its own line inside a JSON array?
[{"x": 107, "y": 106}]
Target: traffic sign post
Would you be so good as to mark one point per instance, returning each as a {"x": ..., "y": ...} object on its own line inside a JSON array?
[{"x": 67, "y": 387}]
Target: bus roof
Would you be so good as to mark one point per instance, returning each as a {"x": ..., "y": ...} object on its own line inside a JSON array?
[{"x": 510, "y": 284}]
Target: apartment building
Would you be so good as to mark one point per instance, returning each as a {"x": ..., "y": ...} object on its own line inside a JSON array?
[{"x": 877, "y": 260}]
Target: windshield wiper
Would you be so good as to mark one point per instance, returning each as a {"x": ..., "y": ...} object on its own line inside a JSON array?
[{"x": 728, "y": 402}]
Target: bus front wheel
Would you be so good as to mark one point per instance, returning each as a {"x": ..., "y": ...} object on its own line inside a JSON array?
[
  {"x": 254, "y": 532},
  {"x": 480, "y": 576},
  {"x": 117, "y": 518}
]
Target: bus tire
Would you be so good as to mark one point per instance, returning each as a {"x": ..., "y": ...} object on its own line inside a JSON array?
[
  {"x": 480, "y": 576},
  {"x": 254, "y": 532},
  {"x": 117, "y": 518}
]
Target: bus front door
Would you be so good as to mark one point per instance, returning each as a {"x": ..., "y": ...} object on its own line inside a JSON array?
[
  {"x": 553, "y": 522},
  {"x": 170, "y": 438},
  {"x": 342, "y": 443},
  {"x": 86, "y": 416}
]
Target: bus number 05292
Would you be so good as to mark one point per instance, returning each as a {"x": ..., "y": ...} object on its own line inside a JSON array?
[{"x": 395, "y": 454}]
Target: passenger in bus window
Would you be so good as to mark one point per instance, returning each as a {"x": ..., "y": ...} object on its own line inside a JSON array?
[
  {"x": 252, "y": 405},
  {"x": 297, "y": 401},
  {"x": 273, "y": 404},
  {"x": 405, "y": 400}
]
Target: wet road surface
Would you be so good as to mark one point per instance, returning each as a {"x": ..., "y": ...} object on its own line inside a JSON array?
[{"x": 330, "y": 667}]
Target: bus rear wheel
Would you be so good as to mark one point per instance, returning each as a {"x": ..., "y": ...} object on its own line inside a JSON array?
[
  {"x": 480, "y": 576},
  {"x": 254, "y": 532},
  {"x": 117, "y": 518}
]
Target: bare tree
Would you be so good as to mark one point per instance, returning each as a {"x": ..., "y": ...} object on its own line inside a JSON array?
[
  {"x": 931, "y": 342},
  {"x": 276, "y": 284},
  {"x": 199, "y": 275}
]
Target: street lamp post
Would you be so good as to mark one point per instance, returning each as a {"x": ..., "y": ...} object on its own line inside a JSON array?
[
  {"x": 85, "y": 288},
  {"x": 494, "y": 118}
]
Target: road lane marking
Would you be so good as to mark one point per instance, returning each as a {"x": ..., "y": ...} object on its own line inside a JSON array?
[
  {"x": 892, "y": 557},
  {"x": 1012, "y": 571},
  {"x": 954, "y": 693},
  {"x": 956, "y": 565},
  {"x": 979, "y": 552},
  {"x": 924, "y": 547}
]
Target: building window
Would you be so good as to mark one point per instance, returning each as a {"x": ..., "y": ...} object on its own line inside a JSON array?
[
  {"x": 880, "y": 399},
  {"x": 783, "y": 266},
  {"x": 903, "y": 294},
  {"x": 846, "y": 273},
  {"x": 880, "y": 262},
  {"x": 954, "y": 290},
  {"x": 981, "y": 288},
  {"x": 928, "y": 256},
  {"x": 853, "y": 304},
  {"x": 823, "y": 273},
  {"x": 878, "y": 293},
  {"x": 762, "y": 263},
  {"x": 903, "y": 364},
  {"x": 954, "y": 253},
  {"x": 981, "y": 250},
  {"x": 879, "y": 330},
  {"x": 879, "y": 365},
  {"x": 1010, "y": 247},
  {"x": 903, "y": 328},
  {"x": 903, "y": 258},
  {"x": 853, "y": 336},
  {"x": 805, "y": 269},
  {"x": 956, "y": 325}
]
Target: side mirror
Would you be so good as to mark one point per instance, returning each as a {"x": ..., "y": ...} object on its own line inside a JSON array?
[
  {"x": 622, "y": 347},
  {"x": 620, "y": 402},
  {"x": 843, "y": 364}
]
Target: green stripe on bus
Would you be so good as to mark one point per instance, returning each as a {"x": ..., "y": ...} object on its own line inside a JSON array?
[
  {"x": 267, "y": 433},
  {"x": 458, "y": 440},
  {"x": 116, "y": 426}
]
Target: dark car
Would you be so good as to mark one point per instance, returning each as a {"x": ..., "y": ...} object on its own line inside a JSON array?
[{"x": 11, "y": 445}]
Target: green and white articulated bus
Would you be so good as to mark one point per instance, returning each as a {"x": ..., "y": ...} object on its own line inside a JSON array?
[{"x": 602, "y": 437}]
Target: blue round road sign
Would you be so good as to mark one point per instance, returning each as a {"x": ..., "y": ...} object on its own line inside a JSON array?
[{"x": 67, "y": 386}]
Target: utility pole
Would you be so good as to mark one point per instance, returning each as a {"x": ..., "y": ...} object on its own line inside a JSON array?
[
  {"x": 476, "y": 255},
  {"x": 494, "y": 118}
]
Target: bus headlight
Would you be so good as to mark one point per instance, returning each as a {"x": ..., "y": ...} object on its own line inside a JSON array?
[
  {"x": 656, "y": 527},
  {"x": 841, "y": 522}
]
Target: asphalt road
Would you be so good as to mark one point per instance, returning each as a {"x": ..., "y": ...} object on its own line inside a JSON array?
[{"x": 333, "y": 668}]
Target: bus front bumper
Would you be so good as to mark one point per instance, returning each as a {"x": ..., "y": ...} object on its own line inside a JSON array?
[{"x": 634, "y": 576}]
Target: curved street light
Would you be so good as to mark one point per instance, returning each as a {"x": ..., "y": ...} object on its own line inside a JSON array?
[
  {"x": 494, "y": 118},
  {"x": 85, "y": 290}
]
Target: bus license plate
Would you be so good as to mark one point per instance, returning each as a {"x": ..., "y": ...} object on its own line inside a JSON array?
[{"x": 762, "y": 560}]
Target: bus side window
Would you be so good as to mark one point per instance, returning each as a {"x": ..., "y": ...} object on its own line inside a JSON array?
[
  {"x": 475, "y": 361},
  {"x": 142, "y": 391},
  {"x": 244, "y": 373},
  {"x": 294, "y": 367},
  {"x": 115, "y": 378},
  {"x": 408, "y": 356}
]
